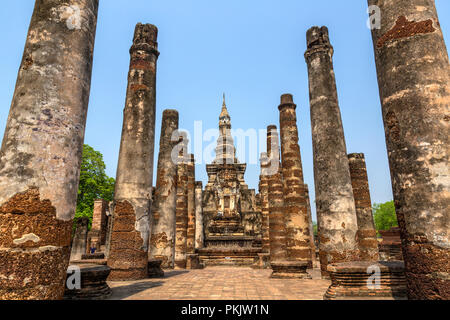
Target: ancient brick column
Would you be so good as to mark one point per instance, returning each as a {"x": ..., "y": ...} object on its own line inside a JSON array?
[
  {"x": 281, "y": 264},
  {"x": 79, "y": 242},
  {"x": 181, "y": 209},
  {"x": 336, "y": 213},
  {"x": 311, "y": 228},
  {"x": 162, "y": 243},
  {"x": 132, "y": 198},
  {"x": 199, "y": 234},
  {"x": 414, "y": 81},
  {"x": 97, "y": 235},
  {"x": 277, "y": 226},
  {"x": 264, "y": 193},
  {"x": 41, "y": 150},
  {"x": 190, "y": 240},
  {"x": 367, "y": 235},
  {"x": 296, "y": 214}
]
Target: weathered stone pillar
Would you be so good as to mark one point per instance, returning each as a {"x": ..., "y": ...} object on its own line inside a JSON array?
[
  {"x": 199, "y": 234},
  {"x": 162, "y": 243},
  {"x": 414, "y": 80},
  {"x": 79, "y": 242},
  {"x": 132, "y": 198},
  {"x": 296, "y": 214},
  {"x": 41, "y": 150},
  {"x": 336, "y": 213},
  {"x": 190, "y": 241},
  {"x": 367, "y": 235},
  {"x": 311, "y": 228},
  {"x": 264, "y": 194},
  {"x": 181, "y": 208}
]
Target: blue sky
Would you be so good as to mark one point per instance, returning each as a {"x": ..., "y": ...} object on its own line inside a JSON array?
[{"x": 252, "y": 50}]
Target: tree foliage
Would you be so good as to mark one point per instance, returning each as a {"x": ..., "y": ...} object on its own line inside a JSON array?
[
  {"x": 94, "y": 183},
  {"x": 384, "y": 215}
]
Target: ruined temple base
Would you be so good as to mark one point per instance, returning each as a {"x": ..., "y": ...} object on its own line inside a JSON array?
[
  {"x": 93, "y": 283},
  {"x": 263, "y": 261},
  {"x": 101, "y": 262},
  {"x": 97, "y": 258},
  {"x": 229, "y": 256},
  {"x": 93, "y": 256},
  {"x": 289, "y": 270},
  {"x": 193, "y": 262},
  {"x": 351, "y": 280},
  {"x": 154, "y": 268}
]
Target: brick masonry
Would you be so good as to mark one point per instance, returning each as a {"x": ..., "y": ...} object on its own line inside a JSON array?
[
  {"x": 367, "y": 235},
  {"x": 295, "y": 205}
]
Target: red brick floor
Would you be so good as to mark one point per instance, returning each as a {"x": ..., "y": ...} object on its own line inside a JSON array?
[{"x": 221, "y": 283}]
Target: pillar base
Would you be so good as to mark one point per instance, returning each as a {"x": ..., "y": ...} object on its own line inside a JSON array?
[
  {"x": 154, "y": 268},
  {"x": 127, "y": 274},
  {"x": 262, "y": 262},
  {"x": 289, "y": 270},
  {"x": 193, "y": 262},
  {"x": 180, "y": 264},
  {"x": 93, "y": 283},
  {"x": 351, "y": 281}
]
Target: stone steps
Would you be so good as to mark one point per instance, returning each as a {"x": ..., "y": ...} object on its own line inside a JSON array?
[{"x": 228, "y": 256}]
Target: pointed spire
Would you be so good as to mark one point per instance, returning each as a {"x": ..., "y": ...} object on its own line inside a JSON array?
[{"x": 224, "y": 112}]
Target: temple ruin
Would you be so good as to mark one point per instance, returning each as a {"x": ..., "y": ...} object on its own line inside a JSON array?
[{"x": 232, "y": 224}]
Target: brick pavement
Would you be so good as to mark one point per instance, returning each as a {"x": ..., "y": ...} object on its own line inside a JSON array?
[{"x": 221, "y": 283}]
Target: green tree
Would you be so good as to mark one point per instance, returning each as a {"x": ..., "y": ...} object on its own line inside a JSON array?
[
  {"x": 94, "y": 183},
  {"x": 384, "y": 215}
]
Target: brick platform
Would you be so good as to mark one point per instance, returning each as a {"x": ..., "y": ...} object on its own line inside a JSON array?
[{"x": 221, "y": 283}]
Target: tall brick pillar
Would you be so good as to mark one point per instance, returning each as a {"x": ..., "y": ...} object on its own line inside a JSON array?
[
  {"x": 190, "y": 241},
  {"x": 281, "y": 264},
  {"x": 97, "y": 235},
  {"x": 128, "y": 256},
  {"x": 414, "y": 81},
  {"x": 336, "y": 213},
  {"x": 367, "y": 235},
  {"x": 41, "y": 151},
  {"x": 162, "y": 242},
  {"x": 277, "y": 227},
  {"x": 199, "y": 233},
  {"x": 311, "y": 227},
  {"x": 296, "y": 213},
  {"x": 182, "y": 208},
  {"x": 264, "y": 193}
]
